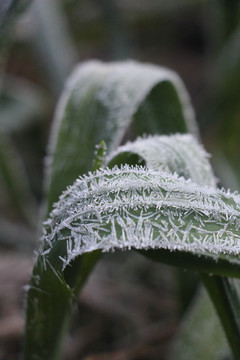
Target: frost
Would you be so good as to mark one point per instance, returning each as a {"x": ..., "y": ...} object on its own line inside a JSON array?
[
  {"x": 118, "y": 93},
  {"x": 178, "y": 153},
  {"x": 99, "y": 103},
  {"x": 131, "y": 207}
]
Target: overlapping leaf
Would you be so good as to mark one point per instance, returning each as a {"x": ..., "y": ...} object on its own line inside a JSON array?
[
  {"x": 125, "y": 208},
  {"x": 177, "y": 153},
  {"x": 166, "y": 217},
  {"x": 99, "y": 103},
  {"x": 132, "y": 207}
]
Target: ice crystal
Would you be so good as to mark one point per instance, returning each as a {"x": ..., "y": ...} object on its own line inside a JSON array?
[
  {"x": 131, "y": 207},
  {"x": 178, "y": 153}
]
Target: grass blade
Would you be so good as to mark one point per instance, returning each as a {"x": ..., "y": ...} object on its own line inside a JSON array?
[
  {"x": 176, "y": 153},
  {"x": 190, "y": 225},
  {"x": 99, "y": 103},
  {"x": 226, "y": 301},
  {"x": 122, "y": 209},
  {"x": 201, "y": 336},
  {"x": 181, "y": 215}
]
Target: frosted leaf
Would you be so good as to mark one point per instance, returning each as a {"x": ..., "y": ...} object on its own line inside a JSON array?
[
  {"x": 178, "y": 153},
  {"x": 137, "y": 208},
  {"x": 99, "y": 102}
]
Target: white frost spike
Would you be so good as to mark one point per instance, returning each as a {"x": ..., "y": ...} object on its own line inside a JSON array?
[
  {"x": 174, "y": 214},
  {"x": 178, "y": 153}
]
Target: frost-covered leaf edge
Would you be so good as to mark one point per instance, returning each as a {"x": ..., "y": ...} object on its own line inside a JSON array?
[
  {"x": 108, "y": 197},
  {"x": 180, "y": 153}
]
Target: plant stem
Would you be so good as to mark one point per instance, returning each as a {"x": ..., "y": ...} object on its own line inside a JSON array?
[{"x": 225, "y": 298}]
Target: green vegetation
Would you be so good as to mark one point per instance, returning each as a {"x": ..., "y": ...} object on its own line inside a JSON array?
[{"x": 125, "y": 169}]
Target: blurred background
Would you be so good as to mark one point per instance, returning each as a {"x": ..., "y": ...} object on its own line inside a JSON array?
[{"x": 130, "y": 308}]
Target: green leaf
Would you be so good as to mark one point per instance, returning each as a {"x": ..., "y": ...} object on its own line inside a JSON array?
[
  {"x": 144, "y": 209},
  {"x": 50, "y": 302},
  {"x": 182, "y": 154},
  {"x": 225, "y": 297},
  {"x": 100, "y": 102},
  {"x": 73, "y": 275},
  {"x": 200, "y": 335},
  {"x": 122, "y": 209},
  {"x": 177, "y": 153}
]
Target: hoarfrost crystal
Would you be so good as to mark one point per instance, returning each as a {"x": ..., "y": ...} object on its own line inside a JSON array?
[{"x": 131, "y": 207}]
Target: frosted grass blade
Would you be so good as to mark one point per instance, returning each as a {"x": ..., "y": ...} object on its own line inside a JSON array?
[
  {"x": 100, "y": 101},
  {"x": 176, "y": 153},
  {"x": 180, "y": 214},
  {"x": 122, "y": 209},
  {"x": 167, "y": 218}
]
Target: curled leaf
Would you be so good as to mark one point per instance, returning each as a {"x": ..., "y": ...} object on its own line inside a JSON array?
[
  {"x": 143, "y": 209},
  {"x": 178, "y": 153},
  {"x": 100, "y": 102},
  {"x": 164, "y": 216}
]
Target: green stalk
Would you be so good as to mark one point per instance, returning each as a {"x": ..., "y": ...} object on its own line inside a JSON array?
[{"x": 226, "y": 301}]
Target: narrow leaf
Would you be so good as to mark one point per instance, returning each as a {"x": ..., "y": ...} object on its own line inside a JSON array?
[
  {"x": 99, "y": 103},
  {"x": 122, "y": 209},
  {"x": 177, "y": 153},
  {"x": 132, "y": 207},
  {"x": 201, "y": 335},
  {"x": 226, "y": 301}
]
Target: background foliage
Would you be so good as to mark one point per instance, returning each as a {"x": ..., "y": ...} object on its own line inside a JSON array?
[{"x": 199, "y": 40}]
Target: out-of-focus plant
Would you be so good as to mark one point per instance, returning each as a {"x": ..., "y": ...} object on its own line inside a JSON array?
[
  {"x": 20, "y": 104},
  {"x": 9, "y": 10}
]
